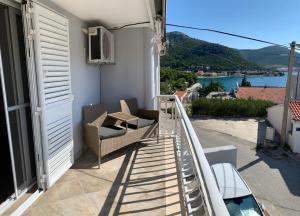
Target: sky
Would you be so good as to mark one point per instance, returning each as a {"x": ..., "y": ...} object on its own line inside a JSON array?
[{"x": 272, "y": 20}]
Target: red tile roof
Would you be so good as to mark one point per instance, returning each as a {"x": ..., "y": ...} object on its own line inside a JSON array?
[
  {"x": 295, "y": 109},
  {"x": 180, "y": 93},
  {"x": 274, "y": 94}
]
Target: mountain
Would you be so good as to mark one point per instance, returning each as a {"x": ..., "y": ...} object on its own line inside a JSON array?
[
  {"x": 269, "y": 56},
  {"x": 188, "y": 53}
]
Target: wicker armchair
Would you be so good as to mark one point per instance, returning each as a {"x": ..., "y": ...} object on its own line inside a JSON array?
[
  {"x": 101, "y": 134},
  {"x": 104, "y": 135},
  {"x": 146, "y": 118}
]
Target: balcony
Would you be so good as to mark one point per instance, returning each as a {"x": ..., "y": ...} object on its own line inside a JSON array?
[{"x": 165, "y": 176}]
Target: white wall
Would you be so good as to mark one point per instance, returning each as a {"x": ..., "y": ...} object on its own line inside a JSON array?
[
  {"x": 275, "y": 115},
  {"x": 135, "y": 71},
  {"x": 296, "y": 137},
  {"x": 85, "y": 79},
  {"x": 295, "y": 87}
]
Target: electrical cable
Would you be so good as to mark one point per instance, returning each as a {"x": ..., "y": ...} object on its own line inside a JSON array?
[
  {"x": 227, "y": 33},
  {"x": 130, "y": 24},
  {"x": 209, "y": 30},
  {"x": 229, "y": 60}
]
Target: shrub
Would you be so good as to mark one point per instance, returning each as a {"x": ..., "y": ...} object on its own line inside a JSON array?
[
  {"x": 212, "y": 86},
  {"x": 173, "y": 79},
  {"x": 230, "y": 107}
]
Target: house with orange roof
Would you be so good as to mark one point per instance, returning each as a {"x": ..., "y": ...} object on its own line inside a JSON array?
[
  {"x": 184, "y": 96},
  {"x": 274, "y": 94},
  {"x": 275, "y": 115}
]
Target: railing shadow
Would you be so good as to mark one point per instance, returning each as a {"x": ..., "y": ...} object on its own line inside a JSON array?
[{"x": 144, "y": 183}]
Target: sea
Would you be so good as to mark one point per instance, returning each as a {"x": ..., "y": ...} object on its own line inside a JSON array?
[{"x": 231, "y": 82}]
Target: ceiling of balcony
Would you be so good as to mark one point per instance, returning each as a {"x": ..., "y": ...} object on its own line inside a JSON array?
[{"x": 110, "y": 13}]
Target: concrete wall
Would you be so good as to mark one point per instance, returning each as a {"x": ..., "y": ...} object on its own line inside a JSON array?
[
  {"x": 295, "y": 87},
  {"x": 296, "y": 137},
  {"x": 275, "y": 114},
  {"x": 223, "y": 154},
  {"x": 135, "y": 72},
  {"x": 85, "y": 79}
]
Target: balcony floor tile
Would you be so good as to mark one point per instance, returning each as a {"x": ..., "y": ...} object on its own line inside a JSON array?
[{"x": 137, "y": 180}]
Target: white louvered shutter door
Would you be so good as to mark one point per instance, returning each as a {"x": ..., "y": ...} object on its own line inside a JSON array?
[{"x": 52, "y": 53}]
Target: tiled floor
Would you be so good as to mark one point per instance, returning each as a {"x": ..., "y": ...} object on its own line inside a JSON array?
[{"x": 138, "y": 180}]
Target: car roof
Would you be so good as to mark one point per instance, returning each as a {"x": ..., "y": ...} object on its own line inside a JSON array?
[{"x": 230, "y": 183}]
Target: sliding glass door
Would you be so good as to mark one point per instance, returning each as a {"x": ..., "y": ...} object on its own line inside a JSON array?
[{"x": 17, "y": 146}]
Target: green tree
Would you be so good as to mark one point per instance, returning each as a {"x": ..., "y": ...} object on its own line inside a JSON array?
[
  {"x": 245, "y": 82},
  {"x": 213, "y": 86},
  {"x": 173, "y": 79}
]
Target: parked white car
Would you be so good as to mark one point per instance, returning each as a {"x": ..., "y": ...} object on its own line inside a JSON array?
[{"x": 237, "y": 196}]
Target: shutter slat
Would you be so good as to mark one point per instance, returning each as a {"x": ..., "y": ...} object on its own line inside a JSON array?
[
  {"x": 59, "y": 129},
  {"x": 54, "y": 41},
  {"x": 51, "y": 46},
  {"x": 53, "y": 57},
  {"x": 57, "y": 94},
  {"x": 56, "y": 84},
  {"x": 56, "y": 74},
  {"x": 49, "y": 27},
  {"x": 50, "y": 52},
  {"x": 57, "y": 99},
  {"x": 54, "y": 20},
  {"x": 56, "y": 63},
  {"x": 55, "y": 69},
  {"x": 55, "y": 79},
  {"x": 48, "y": 34},
  {"x": 54, "y": 141},
  {"x": 62, "y": 88}
]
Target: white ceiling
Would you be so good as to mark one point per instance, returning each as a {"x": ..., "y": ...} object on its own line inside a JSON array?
[{"x": 110, "y": 13}]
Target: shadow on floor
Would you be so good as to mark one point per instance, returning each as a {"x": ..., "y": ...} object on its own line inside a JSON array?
[{"x": 146, "y": 183}]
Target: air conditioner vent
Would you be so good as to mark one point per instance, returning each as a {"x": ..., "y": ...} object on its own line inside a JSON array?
[{"x": 101, "y": 45}]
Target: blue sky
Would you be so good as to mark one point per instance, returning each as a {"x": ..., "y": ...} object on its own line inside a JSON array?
[{"x": 272, "y": 20}]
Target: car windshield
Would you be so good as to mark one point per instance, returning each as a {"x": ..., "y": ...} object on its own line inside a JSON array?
[{"x": 243, "y": 206}]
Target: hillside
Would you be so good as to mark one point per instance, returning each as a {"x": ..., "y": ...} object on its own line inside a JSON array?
[
  {"x": 268, "y": 56},
  {"x": 188, "y": 53}
]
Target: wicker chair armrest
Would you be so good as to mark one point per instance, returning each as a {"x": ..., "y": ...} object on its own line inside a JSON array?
[
  {"x": 148, "y": 114},
  {"x": 91, "y": 135}
]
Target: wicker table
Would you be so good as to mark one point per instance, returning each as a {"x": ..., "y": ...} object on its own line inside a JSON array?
[{"x": 123, "y": 117}]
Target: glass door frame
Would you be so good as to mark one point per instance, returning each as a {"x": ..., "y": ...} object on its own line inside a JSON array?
[
  {"x": 15, "y": 195},
  {"x": 22, "y": 104},
  {"x": 13, "y": 9}
]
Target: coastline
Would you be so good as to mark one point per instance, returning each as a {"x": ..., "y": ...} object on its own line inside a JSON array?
[
  {"x": 238, "y": 76},
  {"x": 230, "y": 82}
]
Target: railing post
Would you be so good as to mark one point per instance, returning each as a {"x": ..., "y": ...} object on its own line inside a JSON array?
[
  {"x": 195, "y": 171},
  {"x": 176, "y": 119}
]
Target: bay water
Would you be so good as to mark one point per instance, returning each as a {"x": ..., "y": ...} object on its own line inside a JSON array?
[{"x": 231, "y": 82}]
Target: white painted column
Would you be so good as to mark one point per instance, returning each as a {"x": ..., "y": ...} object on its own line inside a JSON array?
[{"x": 151, "y": 70}]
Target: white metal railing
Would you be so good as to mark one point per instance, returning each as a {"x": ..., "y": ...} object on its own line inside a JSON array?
[{"x": 200, "y": 192}]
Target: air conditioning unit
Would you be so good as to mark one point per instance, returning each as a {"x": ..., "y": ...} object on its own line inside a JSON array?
[{"x": 101, "y": 45}]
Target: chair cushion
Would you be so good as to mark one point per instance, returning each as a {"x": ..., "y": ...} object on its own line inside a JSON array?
[
  {"x": 141, "y": 123},
  {"x": 106, "y": 132}
]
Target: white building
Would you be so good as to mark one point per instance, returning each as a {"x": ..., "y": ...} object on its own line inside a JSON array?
[
  {"x": 275, "y": 115},
  {"x": 45, "y": 82},
  {"x": 295, "y": 87}
]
